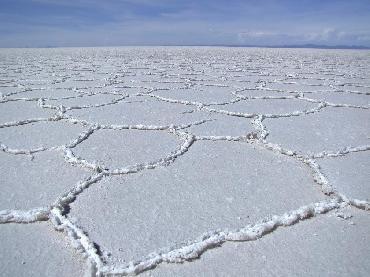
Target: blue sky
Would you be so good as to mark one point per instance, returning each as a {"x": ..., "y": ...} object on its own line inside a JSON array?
[{"x": 37, "y": 23}]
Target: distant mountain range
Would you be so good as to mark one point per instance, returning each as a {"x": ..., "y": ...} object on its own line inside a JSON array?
[
  {"x": 314, "y": 46},
  {"x": 317, "y": 46}
]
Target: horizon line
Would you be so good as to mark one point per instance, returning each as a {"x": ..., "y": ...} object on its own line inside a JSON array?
[{"x": 293, "y": 46}]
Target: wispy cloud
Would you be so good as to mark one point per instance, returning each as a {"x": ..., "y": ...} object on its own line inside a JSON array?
[{"x": 119, "y": 22}]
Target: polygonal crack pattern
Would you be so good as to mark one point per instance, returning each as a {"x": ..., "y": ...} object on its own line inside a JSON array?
[
  {"x": 144, "y": 157},
  {"x": 28, "y": 182},
  {"x": 200, "y": 192},
  {"x": 121, "y": 148},
  {"x": 350, "y": 173},
  {"x": 328, "y": 254},
  {"x": 329, "y": 130}
]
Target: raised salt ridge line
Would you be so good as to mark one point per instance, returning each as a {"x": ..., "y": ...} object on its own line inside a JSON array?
[
  {"x": 361, "y": 204},
  {"x": 70, "y": 157},
  {"x": 188, "y": 141},
  {"x": 22, "y": 122},
  {"x": 24, "y": 216},
  {"x": 248, "y": 138},
  {"x": 297, "y": 113},
  {"x": 238, "y": 114},
  {"x": 341, "y": 152},
  {"x": 115, "y": 101},
  {"x": 332, "y": 104},
  {"x": 75, "y": 160},
  {"x": 318, "y": 176},
  {"x": 204, "y": 107},
  {"x": 15, "y": 151},
  {"x": 153, "y": 127},
  {"x": 169, "y": 100},
  {"x": 211, "y": 240},
  {"x": 133, "y": 126},
  {"x": 83, "y": 136},
  {"x": 79, "y": 239},
  {"x": 63, "y": 201},
  {"x": 244, "y": 97},
  {"x": 8, "y": 150},
  {"x": 260, "y": 127}
]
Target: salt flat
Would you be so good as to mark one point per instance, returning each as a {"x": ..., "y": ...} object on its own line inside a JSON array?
[{"x": 184, "y": 161}]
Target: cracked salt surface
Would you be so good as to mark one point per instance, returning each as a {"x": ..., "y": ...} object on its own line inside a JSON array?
[
  {"x": 120, "y": 148},
  {"x": 192, "y": 202},
  {"x": 339, "y": 98},
  {"x": 205, "y": 95},
  {"x": 46, "y": 92},
  {"x": 251, "y": 92},
  {"x": 273, "y": 106},
  {"x": 330, "y": 129},
  {"x": 145, "y": 157},
  {"x": 18, "y": 110},
  {"x": 39, "y": 134},
  {"x": 219, "y": 125},
  {"x": 87, "y": 101},
  {"x": 27, "y": 183},
  {"x": 138, "y": 110},
  {"x": 349, "y": 173},
  {"x": 325, "y": 246}
]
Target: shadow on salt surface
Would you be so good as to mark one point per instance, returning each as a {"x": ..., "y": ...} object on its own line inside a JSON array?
[
  {"x": 321, "y": 246},
  {"x": 21, "y": 110},
  {"x": 27, "y": 183},
  {"x": 214, "y": 185},
  {"x": 35, "y": 250},
  {"x": 121, "y": 148},
  {"x": 331, "y": 129},
  {"x": 350, "y": 174},
  {"x": 140, "y": 110},
  {"x": 40, "y": 134}
]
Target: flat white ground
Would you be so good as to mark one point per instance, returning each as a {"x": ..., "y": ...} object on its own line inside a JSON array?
[{"x": 184, "y": 162}]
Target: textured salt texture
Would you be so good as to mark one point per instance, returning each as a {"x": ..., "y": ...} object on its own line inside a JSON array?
[
  {"x": 243, "y": 190},
  {"x": 37, "y": 250},
  {"x": 326, "y": 246},
  {"x": 254, "y": 161},
  {"x": 27, "y": 183}
]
